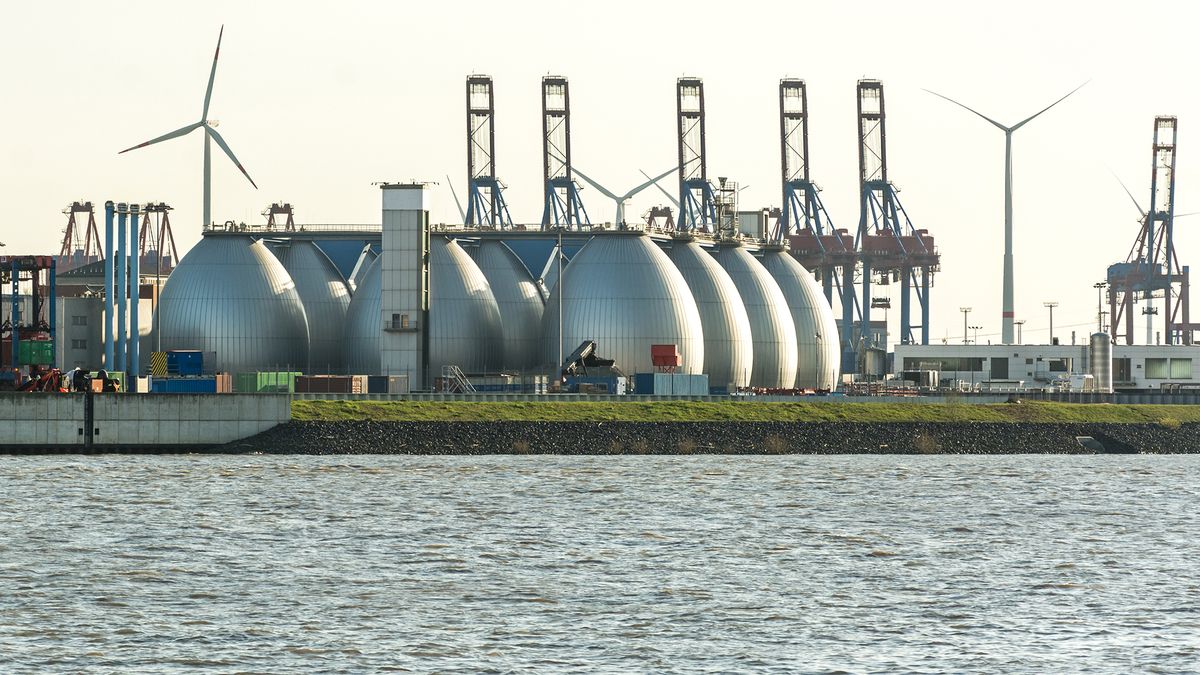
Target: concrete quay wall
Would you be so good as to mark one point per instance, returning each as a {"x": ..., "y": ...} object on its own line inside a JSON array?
[{"x": 135, "y": 421}]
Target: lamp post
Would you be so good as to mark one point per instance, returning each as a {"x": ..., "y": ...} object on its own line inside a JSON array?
[
  {"x": 976, "y": 329},
  {"x": 1050, "y": 306},
  {"x": 1100, "y": 286},
  {"x": 1019, "y": 323},
  {"x": 965, "y": 311}
]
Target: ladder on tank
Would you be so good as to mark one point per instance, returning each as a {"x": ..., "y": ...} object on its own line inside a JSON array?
[{"x": 454, "y": 380}]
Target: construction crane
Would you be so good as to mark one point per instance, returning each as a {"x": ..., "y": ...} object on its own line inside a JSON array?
[
  {"x": 485, "y": 194},
  {"x": 1152, "y": 269},
  {"x": 803, "y": 223},
  {"x": 697, "y": 201},
  {"x": 563, "y": 207},
  {"x": 27, "y": 340},
  {"x": 156, "y": 241},
  {"x": 889, "y": 247},
  {"x": 80, "y": 248}
]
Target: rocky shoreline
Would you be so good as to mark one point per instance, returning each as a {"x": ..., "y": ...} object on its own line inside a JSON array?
[{"x": 735, "y": 438}]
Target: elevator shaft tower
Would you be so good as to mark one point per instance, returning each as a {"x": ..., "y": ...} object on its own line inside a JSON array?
[
  {"x": 889, "y": 248},
  {"x": 563, "y": 207},
  {"x": 485, "y": 196}
]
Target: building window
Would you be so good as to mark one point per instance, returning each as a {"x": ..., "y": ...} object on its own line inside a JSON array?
[
  {"x": 1181, "y": 369},
  {"x": 1121, "y": 370},
  {"x": 78, "y": 344},
  {"x": 79, "y": 320},
  {"x": 1059, "y": 365},
  {"x": 1156, "y": 369},
  {"x": 944, "y": 364}
]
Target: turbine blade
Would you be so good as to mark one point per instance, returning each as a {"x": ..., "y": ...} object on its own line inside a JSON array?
[
  {"x": 212, "y": 76},
  {"x": 1136, "y": 205},
  {"x": 604, "y": 191},
  {"x": 461, "y": 213},
  {"x": 165, "y": 137},
  {"x": 663, "y": 190},
  {"x": 652, "y": 181},
  {"x": 997, "y": 124},
  {"x": 225, "y": 146},
  {"x": 1022, "y": 123}
]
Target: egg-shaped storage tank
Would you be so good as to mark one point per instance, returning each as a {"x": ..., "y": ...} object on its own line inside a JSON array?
[
  {"x": 728, "y": 340},
  {"x": 364, "y": 323},
  {"x": 519, "y": 300},
  {"x": 231, "y": 296},
  {"x": 623, "y": 292},
  {"x": 464, "y": 319},
  {"x": 771, "y": 325},
  {"x": 817, "y": 341},
  {"x": 325, "y": 296}
]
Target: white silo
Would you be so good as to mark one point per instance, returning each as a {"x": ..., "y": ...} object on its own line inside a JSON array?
[
  {"x": 771, "y": 325},
  {"x": 818, "y": 358},
  {"x": 728, "y": 340}
]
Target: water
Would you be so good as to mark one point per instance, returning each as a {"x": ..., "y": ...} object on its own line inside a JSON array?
[{"x": 885, "y": 564}]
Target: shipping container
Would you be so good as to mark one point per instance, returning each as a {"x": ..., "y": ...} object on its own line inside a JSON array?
[
  {"x": 609, "y": 384},
  {"x": 36, "y": 352},
  {"x": 185, "y": 362},
  {"x": 331, "y": 384},
  {"x": 224, "y": 383},
  {"x": 387, "y": 384},
  {"x": 670, "y": 384},
  {"x": 184, "y": 385},
  {"x": 266, "y": 382}
]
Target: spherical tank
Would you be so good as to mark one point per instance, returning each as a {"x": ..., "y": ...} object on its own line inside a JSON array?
[
  {"x": 231, "y": 296},
  {"x": 622, "y": 291},
  {"x": 771, "y": 324},
  {"x": 728, "y": 341},
  {"x": 364, "y": 323},
  {"x": 464, "y": 318},
  {"x": 520, "y": 302},
  {"x": 817, "y": 341},
  {"x": 326, "y": 297}
]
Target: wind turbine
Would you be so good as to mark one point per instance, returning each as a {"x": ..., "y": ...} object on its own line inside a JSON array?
[
  {"x": 620, "y": 217},
  {"x": 1006, "y": 319},
  {"x": 210, "y": 134}
]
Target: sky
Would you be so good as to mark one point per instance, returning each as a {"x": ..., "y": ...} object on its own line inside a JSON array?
[{"x": 319, "y": 101}]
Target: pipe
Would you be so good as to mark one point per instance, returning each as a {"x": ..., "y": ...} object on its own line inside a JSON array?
[
  {"x": 122, "y": 287},
  {"x": 135, "y": 294},
  {"x": 53, "y": 317},
  {"x": 108, "y": 286}
]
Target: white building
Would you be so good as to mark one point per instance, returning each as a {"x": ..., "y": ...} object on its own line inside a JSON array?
[{"x": 1031, "y": 367}]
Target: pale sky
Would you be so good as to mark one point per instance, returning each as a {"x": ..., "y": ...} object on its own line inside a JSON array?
[{"x": 319, "y": 101}]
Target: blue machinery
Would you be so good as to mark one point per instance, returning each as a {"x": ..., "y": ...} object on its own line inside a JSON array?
[{"x": 485, "y": 196}]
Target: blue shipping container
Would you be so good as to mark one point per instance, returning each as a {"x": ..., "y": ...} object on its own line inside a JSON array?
[
  {"x": 670, "y": 384},
  {"x": 185, "y": 362},
  {"x": 183, "y": 385}
]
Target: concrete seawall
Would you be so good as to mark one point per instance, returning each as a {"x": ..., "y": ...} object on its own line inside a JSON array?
[
  {"x": 737, "y": 438},
  {"x": 137, "y": 422}
]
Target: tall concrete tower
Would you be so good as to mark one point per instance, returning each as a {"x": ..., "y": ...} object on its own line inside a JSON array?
[{"x": 404, "y": 303}]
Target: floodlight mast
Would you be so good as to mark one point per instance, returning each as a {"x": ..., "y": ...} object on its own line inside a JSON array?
[{"x": 1007, "y": 310}]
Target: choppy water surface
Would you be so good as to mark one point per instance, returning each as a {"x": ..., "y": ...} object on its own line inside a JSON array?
[{"x": 1027, "y": 563}]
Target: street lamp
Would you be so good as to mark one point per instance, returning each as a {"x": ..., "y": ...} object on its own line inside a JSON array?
[
  {"x": 1100, "y": 286},
  {"x": 965, "y": 311},
  {"x": 1019, "y": 323},
  {"x": 976, "y": 329},
  {"x": 1051, "y": 305}
]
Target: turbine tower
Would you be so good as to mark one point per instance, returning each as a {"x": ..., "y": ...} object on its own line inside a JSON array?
[
  {"x": 210, "y": 134},
  {"x": 1006, "y": 322}
]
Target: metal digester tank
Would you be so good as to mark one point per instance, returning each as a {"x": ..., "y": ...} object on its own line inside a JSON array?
[
  {"x": 817, "y": 344},
  {"x": 326, "y": 297},
  {"x": 728, "y": 341}
]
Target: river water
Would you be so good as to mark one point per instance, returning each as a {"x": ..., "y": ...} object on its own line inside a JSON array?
[{"x": 495, "y": 564}]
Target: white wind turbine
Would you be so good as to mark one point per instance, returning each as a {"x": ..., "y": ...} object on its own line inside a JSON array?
[
  {"x": 620, "y": 216},
  {"x": 210, "y": 134}
]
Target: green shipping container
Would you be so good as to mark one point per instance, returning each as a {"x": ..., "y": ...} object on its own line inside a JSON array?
[
  {"x": 35, "y": 352},
  {"x": 268, "y": 383}
]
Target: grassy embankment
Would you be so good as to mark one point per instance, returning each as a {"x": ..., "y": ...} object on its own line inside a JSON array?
[{"x": 696, "y": 411}]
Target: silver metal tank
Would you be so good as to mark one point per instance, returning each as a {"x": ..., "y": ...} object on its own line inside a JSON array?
[
  {"x": 464, "y": 318},
  {"x": 771, "y": 325},
  {"x": 231, "y": 296},
  {"x": 364, "y": 323},
  {"x": 325, "y": 296},
  {"x": 728, "y": 340},
  {"x": 622, "y": 291},
  {"x": 520, "y": 302},
  {"x": 817, "y": 341},
  {"x": 1100, "y": 362}
]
